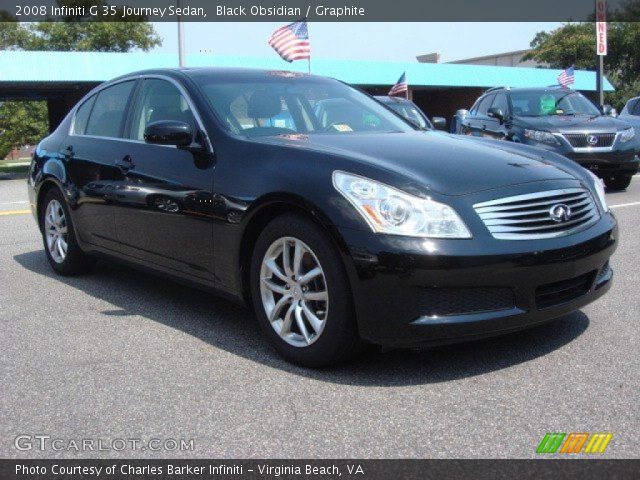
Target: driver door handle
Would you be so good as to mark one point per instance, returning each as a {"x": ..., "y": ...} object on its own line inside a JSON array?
[{"x": 125, "y": 164}]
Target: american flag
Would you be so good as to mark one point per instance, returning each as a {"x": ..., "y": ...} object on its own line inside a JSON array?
[
  {"x": 566, "y": 77},
  {"x": 400, "y": 86},
  {"x": 292, "y": 41}
]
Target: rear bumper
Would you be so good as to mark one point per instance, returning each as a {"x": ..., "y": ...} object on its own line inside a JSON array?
[{"x": 412, "y": 292}]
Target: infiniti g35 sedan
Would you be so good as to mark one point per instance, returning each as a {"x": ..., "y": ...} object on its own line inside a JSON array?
[{"x": 339, "y": 222}]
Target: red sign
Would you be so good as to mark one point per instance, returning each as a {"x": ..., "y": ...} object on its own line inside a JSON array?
[{"x": 601, "y": 27}]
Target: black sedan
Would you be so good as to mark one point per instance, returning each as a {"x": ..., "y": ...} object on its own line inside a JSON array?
[{"x": 338, "y": 221}]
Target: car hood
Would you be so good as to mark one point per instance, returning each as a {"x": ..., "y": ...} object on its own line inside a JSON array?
[
  {"x": 577, "y": 124},
  {"x": 433, "y": 161}
]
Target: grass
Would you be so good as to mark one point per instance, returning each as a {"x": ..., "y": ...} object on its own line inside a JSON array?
[{"x": 13, "y": 168}]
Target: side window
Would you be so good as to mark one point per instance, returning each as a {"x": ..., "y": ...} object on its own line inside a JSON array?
[
  {"x": 108, "y": 110},
  {"x": 159, "y": 100},
  {"x": 501, "y": 102},
  {"x": 485, "y": 104},
  {"x": 474, "y": 109},
  {"x": 82, "y": 116},
  {"x": 636, "y": 108}
]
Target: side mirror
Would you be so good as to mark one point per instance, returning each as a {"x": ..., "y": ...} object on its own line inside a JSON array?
[
  {"x": 439, "y": 123},
  {"x": 496, "y": 113},
  {"x": 609, "y": 111},
  {"x": 168, "y": 132}
]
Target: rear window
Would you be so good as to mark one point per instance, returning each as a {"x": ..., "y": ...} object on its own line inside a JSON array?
[
  {"x": 82, "y": 116},
  {"x": 108, "y": 110}
]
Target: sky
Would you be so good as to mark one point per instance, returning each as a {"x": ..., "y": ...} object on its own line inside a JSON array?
[{"x": 365, "y": 41}]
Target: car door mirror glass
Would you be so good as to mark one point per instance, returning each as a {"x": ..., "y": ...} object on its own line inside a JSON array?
[
  {"x": 439, "y": 123},
  {"x": 168, "y": 132}
]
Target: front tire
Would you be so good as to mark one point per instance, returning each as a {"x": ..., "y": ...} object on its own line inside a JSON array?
[
  {"x": 618, "y": 182},
  {"x": 301, "y": 294},
  {"x": 59, "y": 237}
]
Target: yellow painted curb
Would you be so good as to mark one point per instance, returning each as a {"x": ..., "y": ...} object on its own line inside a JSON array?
[{"x": 15, "y": 212}]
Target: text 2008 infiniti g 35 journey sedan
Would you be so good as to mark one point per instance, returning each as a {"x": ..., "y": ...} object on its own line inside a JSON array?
[{"x": 337, "y": 220}]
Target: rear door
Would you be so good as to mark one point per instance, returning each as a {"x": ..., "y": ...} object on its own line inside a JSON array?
[
  {"x": 163, "y": 215},
  {"x": 90, "y": 150}
]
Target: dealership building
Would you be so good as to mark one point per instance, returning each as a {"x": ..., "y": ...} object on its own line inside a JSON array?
[{"x": 62, "y": 78}]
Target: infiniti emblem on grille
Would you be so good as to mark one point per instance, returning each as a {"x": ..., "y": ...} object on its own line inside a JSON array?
[
  {"x": 592, "y": 139},
  {"x": 560, "y": 212}
]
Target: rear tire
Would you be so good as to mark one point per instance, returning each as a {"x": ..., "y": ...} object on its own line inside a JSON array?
[
  {"x": 59, "y": 237},
  {"x": 301, "y": 294},
  {"x": 618, "y": 182}
]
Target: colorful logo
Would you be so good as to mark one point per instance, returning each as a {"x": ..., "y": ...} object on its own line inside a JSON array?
[{"x": 574, "y": 443}]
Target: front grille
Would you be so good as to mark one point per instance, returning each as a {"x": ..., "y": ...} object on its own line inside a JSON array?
[
  {"x": 438, "y": 301},
  {"x": 581, "y": 140},
  {"x": 528, "y": 217},
  {"x": 552, "y": 294}
]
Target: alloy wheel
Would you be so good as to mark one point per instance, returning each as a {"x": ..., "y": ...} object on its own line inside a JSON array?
[
  {"x": 294, "y": 291},
  {"x": 56, "y": 231}
]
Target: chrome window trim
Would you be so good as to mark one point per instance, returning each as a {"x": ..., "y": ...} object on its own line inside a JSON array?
[{"x": 173, "y": 81}]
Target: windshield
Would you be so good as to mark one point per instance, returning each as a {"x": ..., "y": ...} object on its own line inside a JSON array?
[
  {"x": 411, "y": 113},
  {"x": 304, "y": 105},
  {"x": 560, "y": 102}
]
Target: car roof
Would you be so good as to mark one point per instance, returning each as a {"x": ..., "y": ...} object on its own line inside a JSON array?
[
  {"x": 221, "y": 73},
  {"x": 389, "y": 99},
  {"x": 527, "y": 90}
]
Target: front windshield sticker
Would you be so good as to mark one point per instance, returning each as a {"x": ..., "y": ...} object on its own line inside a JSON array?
[
  {"x": 547, "y": 104},
  {"x": 342, "y": 127}
]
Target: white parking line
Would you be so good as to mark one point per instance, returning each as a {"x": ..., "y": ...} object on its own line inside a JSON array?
[
  {"x": 13, "y": 203},
  {"x": 624, "y": 205}
]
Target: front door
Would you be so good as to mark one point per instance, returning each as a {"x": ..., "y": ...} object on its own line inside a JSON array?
[{"x": 163, "y": 213}]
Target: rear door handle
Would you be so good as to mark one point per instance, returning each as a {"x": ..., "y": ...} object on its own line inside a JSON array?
[
  {"x": 68, "y": 151},
  {"x": 125, "y": 164}
]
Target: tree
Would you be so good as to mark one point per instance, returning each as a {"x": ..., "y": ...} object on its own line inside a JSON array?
[
  {"x": 21, "y": 123},
  {"x": 25, "y": 122},
  {"x": 574, "y": 44}
]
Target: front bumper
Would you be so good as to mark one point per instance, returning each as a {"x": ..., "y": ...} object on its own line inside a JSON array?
[
  {"x": 414, "y": 292},
  {"x": 607, "y": 163}
]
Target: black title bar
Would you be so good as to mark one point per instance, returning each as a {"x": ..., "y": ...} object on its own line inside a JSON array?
[
  {"x": 316, "y": 11},
  {"x": 317, "y": 469}
]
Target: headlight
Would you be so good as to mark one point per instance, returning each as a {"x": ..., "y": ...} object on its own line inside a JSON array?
[
  {"x": 627, "y": 135},
  {"x": 540, "y": 136},
  {"x": 598, "y": 186},
  {"x": 391, "y": 211}
]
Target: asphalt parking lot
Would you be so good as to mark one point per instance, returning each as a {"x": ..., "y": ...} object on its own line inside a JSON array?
[{"x": 121, "y": 354}]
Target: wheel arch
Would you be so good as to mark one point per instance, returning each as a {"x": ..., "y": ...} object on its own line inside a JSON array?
[
  {"x": 265, "y": 210},
  {"x": 47, "y": 184}
]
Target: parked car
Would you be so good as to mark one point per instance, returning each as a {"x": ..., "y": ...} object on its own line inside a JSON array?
[
  {"x": 409, "y": 110},
  {"x": 631, "y": 114},
  {"x": 560, "y": 120},
  {"x": 339, "y": 229}
]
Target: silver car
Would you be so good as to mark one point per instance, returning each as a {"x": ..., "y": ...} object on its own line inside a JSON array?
[{"x": 631, "y": 114}]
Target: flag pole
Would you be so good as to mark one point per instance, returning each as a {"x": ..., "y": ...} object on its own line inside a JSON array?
[{"x": 308, "y": 59}]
